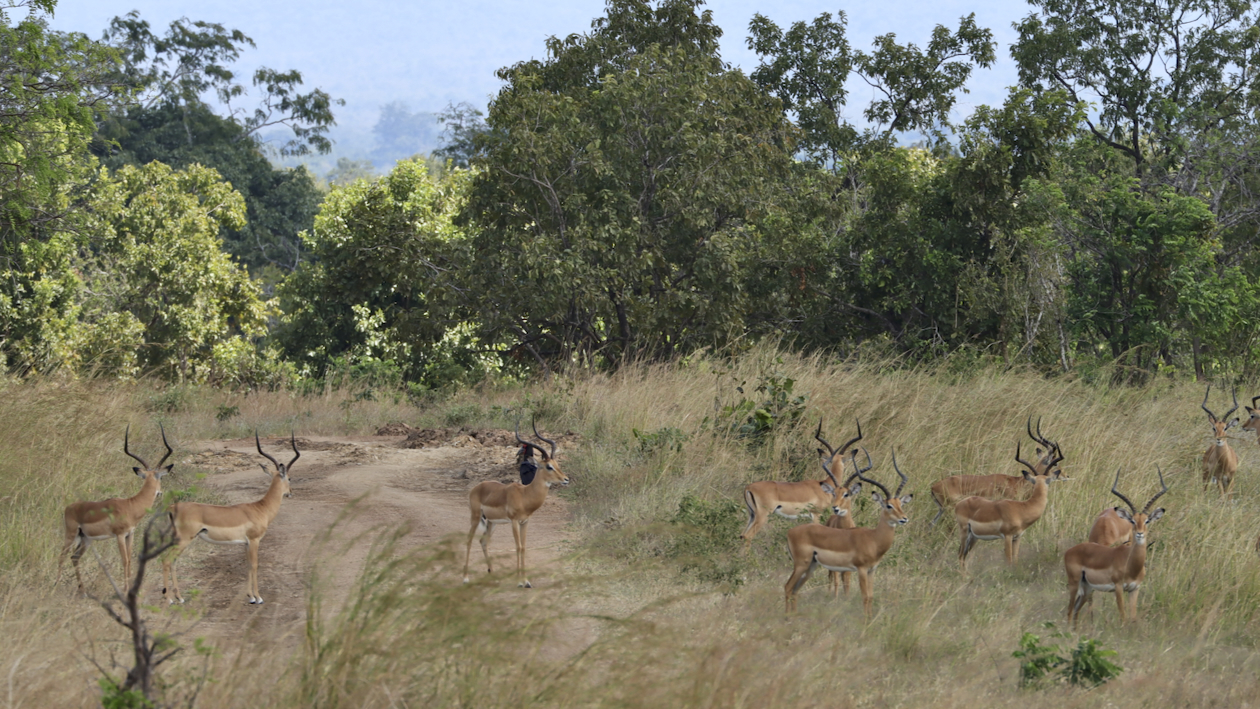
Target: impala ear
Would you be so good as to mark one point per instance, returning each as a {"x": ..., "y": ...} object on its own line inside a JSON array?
[
  {"x": 264, "y": 469},
  {"x": 1155, "y": 516},
  {"x": 1233, "y": 422},
  {"x": 1124, "y": 514},
  {"x": 857, "y": 487},
  {"x": 906, "y": 500},
  {"x": 875, "y": 496},
  {"x": 163, "y": 472},
  {"x": 138, "y": 472},
  {"x": 828, "y": 489}
]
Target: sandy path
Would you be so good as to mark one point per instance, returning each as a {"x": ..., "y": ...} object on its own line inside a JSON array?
[{"x": 425, "y": 488}]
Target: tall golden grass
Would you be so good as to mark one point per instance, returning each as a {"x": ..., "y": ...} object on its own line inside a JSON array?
[{"x": 624, "y": 626}]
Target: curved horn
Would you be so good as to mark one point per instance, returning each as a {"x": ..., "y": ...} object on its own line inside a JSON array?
[
  {"x": 826, "y": 466},
  {"x": 1117, "y": 493},
  {"x": 818, "y": 437},
  {"x": 296, "y": 454},
  {"x": 1254, "y": 399},
  {"x": 522, "y": 441},
  {"x": 898, "y": 469},
  {"x": 1227, "y": 413},
  {"x": 126, "y": 437},
  {"x": 866, "y": 479},
  {"x": 1058, "y": 456},
  {"x": 1036, "y": 436},
  {"x": 168, "y": 446},
  {"x": 859, "y": 436},
  {"x": 1147, "y": 509},
  {"x": 549, "y": 442},
  {"x": 1211, "y": 416},
  {"x": 264, "y": 453},
  {"x": 1023, "y": 462}
]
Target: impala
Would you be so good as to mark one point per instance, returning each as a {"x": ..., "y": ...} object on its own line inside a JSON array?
[
  {"x": 1253, "y": 418},
  {"x": 492, "y": 502},
  {"x": 245, "y": 523},
  {"x": 859, "y": 549},
  {"x": 1094, "y": 567},
  {"x": 1220, "y": 462},
  {"x": 842, "y": 516},
  {"x": 1111, "y": 527},
  {"x": 948, "y": 491},
  {"x": 86, "y": 522},
  {"x": 1007, "y": 520},
  {"x": 791, "y": 500}
]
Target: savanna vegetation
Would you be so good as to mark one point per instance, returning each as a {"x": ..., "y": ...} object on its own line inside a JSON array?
[{"x": 689, "y": 265}]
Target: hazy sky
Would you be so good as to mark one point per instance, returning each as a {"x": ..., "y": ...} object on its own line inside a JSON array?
[{"x": 428, "y": 53}]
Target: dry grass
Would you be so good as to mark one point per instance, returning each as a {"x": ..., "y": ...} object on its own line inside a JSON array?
[{"x": 627, "y": 627}]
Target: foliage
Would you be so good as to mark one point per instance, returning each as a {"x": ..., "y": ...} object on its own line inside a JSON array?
[
  {"x": 172, "y": 122},
  {"x": 399, "y": 134},
  {"x": 668, "y": 438},
  {"x": 464, "y": 126},
  {"x": 52, "y": 86},
  {"x": 385, "y": 284},
  {"x": 774, "y": 410},
  {"x": 707, "y": 540},
  {"x": 629, "y": 173},
  {"x": 1088, "y": 664},
  {"x": 160, "y": 295}
]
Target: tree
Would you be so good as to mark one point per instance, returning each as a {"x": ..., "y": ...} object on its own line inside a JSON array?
[
  {"x": 159, "y": 293},
  {"x": 464, "y": 125},
  {"x": 400, "y": 134},
  {"x": 383, "y": 287},
  {"x": 51, "y": 88},
  {"x": 626, "y": 178},
  {"x": 172, "y": 122}
]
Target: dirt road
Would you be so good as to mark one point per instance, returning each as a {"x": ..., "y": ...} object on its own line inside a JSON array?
[{"x": 425, "y": 488}]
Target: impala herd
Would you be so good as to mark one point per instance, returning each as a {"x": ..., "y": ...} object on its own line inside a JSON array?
[{"x": 986, "y": 507}]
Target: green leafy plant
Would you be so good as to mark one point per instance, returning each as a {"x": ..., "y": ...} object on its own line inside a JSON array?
[
  {"x": 774, "y": 408},
  {"x": 707, "y": 540},
  {"x": 224, "y": 413},
  {"x": 1087, "y": 665}
]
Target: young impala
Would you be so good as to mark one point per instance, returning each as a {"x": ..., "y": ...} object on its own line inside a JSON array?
[
  {"x": 1253, "y": 418},
  {"x": 859, "y": 549},
  {"x": 1220, "y": 462},
  {"x": 86, "y": 522},
  {"x": 842, "y": 516},
  {"x": 946, "y": 492},
  {"x": 492, "y": 502},
  {"x": 791, "y": 500},
  {"x": 245, "y": 524},
  {"x": 1094, "y": 567},
  {"x": 1007, "y": 520}
]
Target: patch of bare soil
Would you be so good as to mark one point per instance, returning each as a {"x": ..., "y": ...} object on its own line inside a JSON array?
[{"x": 383, "y": 486}]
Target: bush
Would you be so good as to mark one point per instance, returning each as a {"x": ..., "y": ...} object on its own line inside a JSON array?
[
  {"x": 708, "y": 540},
  {"x": 1087, "y": 665}
]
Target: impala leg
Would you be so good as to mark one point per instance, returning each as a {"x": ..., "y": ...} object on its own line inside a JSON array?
[
  {"x": 72, "y": 538},
  {"x": 476, "y": 522},
  {"x": 864, "y": 583},
  {"x": 1133, "y": 604},
  {"x": 833, "y": 577},
  {"x": 1229, "y": 486},
  {"x": 800, "y": 574},
  {"x": 516, "y": 539},
  {"x": 254, "y": 596},
  {"x": 1124, "y": 610},
  {"x": 526, "y": 582},
  {"x": 124, "y": 550},
  {"x": 74, "y": 559},
  {"x": 485, "y": 545},
  {"x": 964, "y": 546},
  {"x": 844, "y": 576},
  {"x": 169, "y": 582},
  {"x": 756, "y": 520},
  {"x": 1015, "y": 549},
  {"x": 1008, "y": 545},
  {"x": 940, "y": 510}
]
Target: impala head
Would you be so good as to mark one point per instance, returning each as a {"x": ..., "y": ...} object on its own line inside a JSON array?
[
  {"x": 157, "y": 472},
  {"x": 1139, "y": 520},
  {"x": 892, "y": 507},
  {"x": 1045, "y": 470},
  {"x": 1253, "y": 417},
  {"x": 282, "y": 469},
  {"x": 837, "y": 454},
  {"x": 1224, "y": 423},
  {"x": 842, "y": 499},
  {"x": 549, "y": 470}
]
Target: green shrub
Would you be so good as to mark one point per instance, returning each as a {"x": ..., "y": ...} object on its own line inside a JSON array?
[
  {"x": 707, "y": 540},
  {"x": 1087, "y": 665}
]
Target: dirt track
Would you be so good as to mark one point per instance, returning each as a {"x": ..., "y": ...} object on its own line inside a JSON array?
[{"x": 426, "y": 488}]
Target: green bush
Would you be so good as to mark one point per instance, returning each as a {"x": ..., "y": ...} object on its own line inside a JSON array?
[
  {"x": 1086, "y": 666},
  {"x": 707, "y": 540}
]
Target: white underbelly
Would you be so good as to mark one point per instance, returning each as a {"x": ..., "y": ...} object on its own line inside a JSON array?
[
  {"x": 791, "y": 512},
  {"x": 97, "y": 537},
  {"x": 837, "y": 568},
  {"x": 208, "y": 536},
  {"x": 987, "y": 537}
]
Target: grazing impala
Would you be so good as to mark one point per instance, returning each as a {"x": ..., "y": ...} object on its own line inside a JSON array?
[
  {"x": 86, "y": 522},
  {"x": 492, "y": 502},
  {"x": 946, "y": 492},
  {"x": 791, "y": 500},
  {"x": 1094, "y": 567},
  {"x": 1220, "y": 462},
  {"x": 842, "y": 515},
  {"x": 1007, "y": 520},
  {"x": 245, "y": 523},
  {"x": 1253, "y": 418},
  {"x": 859, "y": 549}
]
